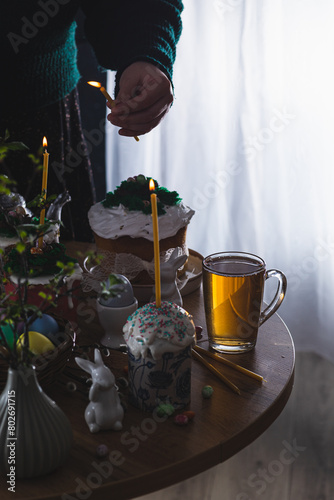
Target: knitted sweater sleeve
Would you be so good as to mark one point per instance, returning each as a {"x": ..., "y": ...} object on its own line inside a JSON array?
[{"x": 124, "y": 31}]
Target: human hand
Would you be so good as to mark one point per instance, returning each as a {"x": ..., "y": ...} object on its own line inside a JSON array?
[{"x": 145, "y": 96}]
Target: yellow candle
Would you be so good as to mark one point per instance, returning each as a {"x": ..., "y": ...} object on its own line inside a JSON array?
[
  {"x": 44, "y": 185},
  {"x": 156, "y": 244},
  {"x": 107, "y": 96},
  {"x": 229, "y": 363},
  {"x": 104, "y": 92},
  {"x": 216, "y": 372}
]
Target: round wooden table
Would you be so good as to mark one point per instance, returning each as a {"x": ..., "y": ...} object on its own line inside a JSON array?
[{"x": 152, "y": 452}]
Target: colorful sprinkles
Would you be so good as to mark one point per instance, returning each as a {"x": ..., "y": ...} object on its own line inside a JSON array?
[{"x": 169, "y": 322}]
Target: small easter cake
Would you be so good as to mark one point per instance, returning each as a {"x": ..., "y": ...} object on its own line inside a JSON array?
[
  {"x": 122, "y": 227},
  {"x": 159, "y": 342},
  {"x": 35, "y": 252},
  {"x": 40, "y": 267}
]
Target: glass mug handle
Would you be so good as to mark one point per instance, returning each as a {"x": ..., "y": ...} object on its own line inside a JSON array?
[{"x": 279, "y": 295}]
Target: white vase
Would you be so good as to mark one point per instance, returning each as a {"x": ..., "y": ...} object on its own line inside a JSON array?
[{"x": 35, "y": 434}]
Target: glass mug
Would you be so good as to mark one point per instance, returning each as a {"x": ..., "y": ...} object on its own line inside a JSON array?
[{"x": 233, "y": 285}]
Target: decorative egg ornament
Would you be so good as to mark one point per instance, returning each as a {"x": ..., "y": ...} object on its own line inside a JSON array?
[
  {"x": 38, "y": 343},
  {"x": 46, "y": 325},
  {"x": 8, "y": 332},
  {"x": 113, "y": 309},
  {"x": 121, "y": 292}
]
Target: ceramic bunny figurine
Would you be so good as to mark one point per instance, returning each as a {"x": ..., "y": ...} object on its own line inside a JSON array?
[
  {"x": 168, "y": 271},
  {"x": 104, "y": 410}
]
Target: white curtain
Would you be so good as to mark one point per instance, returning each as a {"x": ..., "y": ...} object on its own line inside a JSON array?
[{"x": 249, "y": 144}]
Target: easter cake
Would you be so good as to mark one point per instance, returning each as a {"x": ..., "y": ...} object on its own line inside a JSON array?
[
  {"x": 33, "y": 257},
  {"x": 40, "y": 264},
  {"x": 159, "y": 342},
  {"x": 40, "y": 267},
  {"x": 123, "y": 232}
]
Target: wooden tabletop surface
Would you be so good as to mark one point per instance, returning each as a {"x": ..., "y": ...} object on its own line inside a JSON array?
[{"x": 151, "y": 452}]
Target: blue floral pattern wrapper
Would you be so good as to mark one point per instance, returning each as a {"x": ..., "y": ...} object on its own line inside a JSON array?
[{"x": 164, "y": 380}]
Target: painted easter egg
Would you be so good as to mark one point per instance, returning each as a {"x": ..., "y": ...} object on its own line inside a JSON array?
[
  {"x": 120, "y": 292},
  {"x": 38, "y": 343},
  {"x": 8, "y": 332},
  {"x": 46, "y": 325}
]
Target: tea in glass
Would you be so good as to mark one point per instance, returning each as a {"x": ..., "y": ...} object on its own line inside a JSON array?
[{"x": 233, "y": 284}]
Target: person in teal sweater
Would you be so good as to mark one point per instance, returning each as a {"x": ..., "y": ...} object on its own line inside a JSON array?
[{"x": 136, "y": 38}]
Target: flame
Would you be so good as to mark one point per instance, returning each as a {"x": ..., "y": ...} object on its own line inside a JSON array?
[
  {"x": 95, "y": 84},
  {"x": 151, "y": 185},
  {"x": 45, "y": 142}
]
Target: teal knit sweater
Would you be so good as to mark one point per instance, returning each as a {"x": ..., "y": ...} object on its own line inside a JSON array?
[{"x": 38, "y": 48}]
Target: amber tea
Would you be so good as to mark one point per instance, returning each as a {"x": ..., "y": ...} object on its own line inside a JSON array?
[{"x": 233, "y": 285}]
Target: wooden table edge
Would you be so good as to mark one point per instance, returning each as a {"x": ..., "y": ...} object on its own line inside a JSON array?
[
  {"x": 184, "y": 469},
  {"x": 203, "y": 461},
  {"x": 187, "y": 468}
]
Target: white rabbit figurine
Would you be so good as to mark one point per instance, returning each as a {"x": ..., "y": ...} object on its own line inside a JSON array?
[
  {"x": 168, "y": 275},
  {"x": 104, "y": 410}
]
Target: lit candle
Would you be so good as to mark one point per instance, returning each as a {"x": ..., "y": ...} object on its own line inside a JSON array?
[
  {"x": 107, "y": 96},
  {"x": 104, "y": 92},
  {"x": 44, "y": 185},
  {"x": 156, "y": 244}
]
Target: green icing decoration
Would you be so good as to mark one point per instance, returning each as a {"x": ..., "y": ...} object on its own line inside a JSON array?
[
  {"x": 9, "y": 230},
  {"x": 38, "y": 264},
  {"x": 135, "y": 194}
]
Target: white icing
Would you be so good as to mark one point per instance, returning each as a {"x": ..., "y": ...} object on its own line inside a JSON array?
[
  {"x": 46, "y": 279},
  {"x": 155, "y": 331},
  {"x": 52, "y": 235},
  {"x": 37, "y": 280},
  {"x": 119, "y": 221},
  {"x": 6, "y": 241}
]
